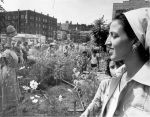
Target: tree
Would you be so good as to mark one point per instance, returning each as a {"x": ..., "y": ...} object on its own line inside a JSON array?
[
  {"x": 2, "y": 1},
  {"x": 100, "y": 32},
  {"x": 2, "y": 18},
  {"x": 2, "y": 22},
  {"x": 88, "y": 38}
]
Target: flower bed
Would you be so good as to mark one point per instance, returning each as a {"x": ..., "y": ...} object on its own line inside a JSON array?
[{"x": 53, "y": 98}]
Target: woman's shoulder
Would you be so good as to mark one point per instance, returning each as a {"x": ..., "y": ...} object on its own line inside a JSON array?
[{"x": 105, "y": 82}]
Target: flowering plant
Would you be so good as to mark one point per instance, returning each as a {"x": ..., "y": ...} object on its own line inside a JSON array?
[
  {"x": 26, "y": 88},
  {"x": 33, "y": 84}
]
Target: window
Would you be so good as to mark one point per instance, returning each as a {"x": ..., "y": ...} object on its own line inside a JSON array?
[
  {"x": 9, "y": 17},
  {"x": 32, "y": 24},
  {"x": 22, "y": 16},
  {"x": 36, "y": 18},
  {"x": 31, "y": 17},
  {"x": 14, "y": 17},
  {"x": 22, "y": 24}
]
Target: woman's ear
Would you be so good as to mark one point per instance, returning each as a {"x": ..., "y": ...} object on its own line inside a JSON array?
[
  {"x": 135, "y": 45},
  {"x": 133, "y": 41}
]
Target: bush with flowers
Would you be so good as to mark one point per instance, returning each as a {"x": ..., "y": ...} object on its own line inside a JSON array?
[
  {"x": 48, "y": 67},
  {"x": 44, "y": 93}
]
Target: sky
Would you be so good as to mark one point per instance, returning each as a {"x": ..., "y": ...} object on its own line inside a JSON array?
[{"x": 77, "y": 11}]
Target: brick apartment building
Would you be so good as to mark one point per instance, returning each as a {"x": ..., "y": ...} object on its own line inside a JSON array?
[
  {"x": 31, "y": 22},
  {"x": 129, "y": 5}
]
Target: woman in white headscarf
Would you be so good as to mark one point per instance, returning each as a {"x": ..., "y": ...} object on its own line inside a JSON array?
[{"x": 129, "y": 40}]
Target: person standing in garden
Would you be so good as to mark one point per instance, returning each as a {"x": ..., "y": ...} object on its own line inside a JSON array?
[
  {"x": 94, "y": 60},
  {"x": 85, "y": 61},
  {"x": 18, "y": 50},
  {"x": 129, "y": 40},
  {"x": 25, "y": 50},
  {"x": 10, "y": 92}
]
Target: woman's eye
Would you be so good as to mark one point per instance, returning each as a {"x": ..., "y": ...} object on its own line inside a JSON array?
[{"x": 114, "y": 35}]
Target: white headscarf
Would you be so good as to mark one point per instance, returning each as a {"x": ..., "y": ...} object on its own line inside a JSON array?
[{"x": 139, "y": 20}]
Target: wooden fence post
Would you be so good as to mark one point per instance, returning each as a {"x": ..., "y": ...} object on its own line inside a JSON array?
[{"x": 75, "y": 104}]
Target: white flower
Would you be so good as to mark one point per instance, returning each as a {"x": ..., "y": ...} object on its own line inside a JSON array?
[
  {"x": 74, "y": 70},
  {"x": 70, "y": 90},
  {"x": 26, "y": 88},
  {"x": 22, "y": 68},
  {"x": 19, "y": 77},
  {"x": 31, "y": 97},
  {"x": 33, "y": 84},
  {"x": 35, "y": 100},
  {"x": 37, "y": 96},
  {"x": 77, "y": 74},
  {"x": 60, "y": 98}
]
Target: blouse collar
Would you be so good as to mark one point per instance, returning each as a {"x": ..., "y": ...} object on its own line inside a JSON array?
[{"x": 142, "y": 76}]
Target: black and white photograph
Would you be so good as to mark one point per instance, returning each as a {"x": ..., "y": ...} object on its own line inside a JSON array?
[{"x": 74, "y": 58}]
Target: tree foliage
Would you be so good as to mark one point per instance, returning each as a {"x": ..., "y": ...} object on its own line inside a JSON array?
[
  {"x": 2, "y": 18},
  {"x": 100, "y": 32}
]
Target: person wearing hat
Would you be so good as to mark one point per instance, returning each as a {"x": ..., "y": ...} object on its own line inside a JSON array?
[
  {"x": 10, "y": 92},
  {"x": 129, "y": 40},
  {"x": 10, "y": 33}
]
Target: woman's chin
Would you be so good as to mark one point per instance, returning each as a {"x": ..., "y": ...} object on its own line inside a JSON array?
[{"x": 113, "y": 58}]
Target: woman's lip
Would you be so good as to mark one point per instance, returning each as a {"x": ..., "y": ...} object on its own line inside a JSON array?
[
  {"x": 111, "y": 48},
  {"x": 111, "y": 51},
  {"x": 108, "y": 47}
]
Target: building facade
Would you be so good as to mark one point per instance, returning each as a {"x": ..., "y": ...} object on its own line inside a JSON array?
[
  {"x": 68, "y": 26},
  {"x": 76, "y": 32},
  {"x": 80, "y": 27},
  {"x": 129, "y": 5},
  {"x": 31, "y": 22}
]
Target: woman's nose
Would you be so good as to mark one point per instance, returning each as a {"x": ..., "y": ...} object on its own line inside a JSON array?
[{"x": 108, "y": 41}]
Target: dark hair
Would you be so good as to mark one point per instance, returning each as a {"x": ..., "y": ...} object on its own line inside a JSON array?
[
  {"x": 126, "y": 26},
  {"x": 19, "y": 42},
  {"x": 94, "y": 51},
  {"x": 107, "y": 67},
  {"x": 117, "y": 64},
  {"x": 84, "y": 52},
  {"x": 143, "y": 54},
  {"x": 25, "y": 43}
]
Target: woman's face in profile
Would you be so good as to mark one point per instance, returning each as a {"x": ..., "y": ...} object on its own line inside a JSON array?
[{"x": 119, "y": 44}]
